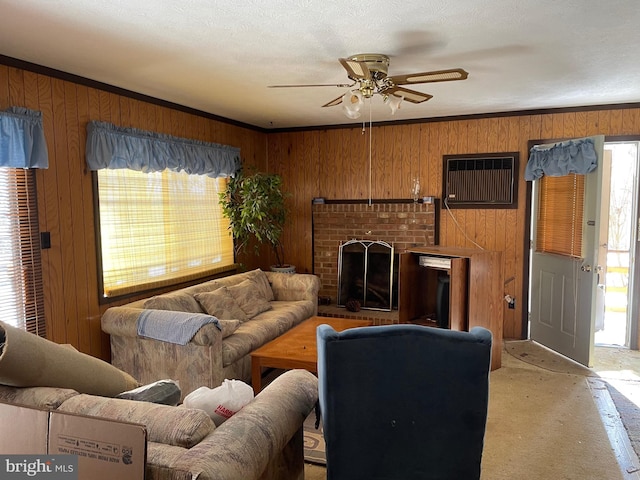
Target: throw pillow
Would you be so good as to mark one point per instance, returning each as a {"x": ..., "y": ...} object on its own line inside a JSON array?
[
  {"x": 262, "y": 282},
  {"x": 221, "y": 305},
  {"x": 249, "y": 297},
  {"x": 208, "y": 334},
  {"x": 228, "y": 326},
  {"x": 175, "y": 302}
]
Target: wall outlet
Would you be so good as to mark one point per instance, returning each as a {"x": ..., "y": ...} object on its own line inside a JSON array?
[{"x": 510, "y": 301}]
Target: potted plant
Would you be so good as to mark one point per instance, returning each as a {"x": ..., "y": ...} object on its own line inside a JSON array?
[{"x": 255, "y": 207}]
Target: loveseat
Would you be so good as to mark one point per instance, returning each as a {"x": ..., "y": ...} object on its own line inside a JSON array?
[
  {"x": 249, "y": 310},
  {"x": 262, "y": 441}
]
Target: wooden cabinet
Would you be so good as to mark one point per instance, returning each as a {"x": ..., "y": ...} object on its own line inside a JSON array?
[{"x": 475, "y": 290}]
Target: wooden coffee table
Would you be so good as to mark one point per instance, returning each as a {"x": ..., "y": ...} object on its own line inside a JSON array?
[{"x": 296, "y": 348}]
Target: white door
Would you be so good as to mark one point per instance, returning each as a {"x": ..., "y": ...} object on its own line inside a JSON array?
[{"x": 564, "y": 290}]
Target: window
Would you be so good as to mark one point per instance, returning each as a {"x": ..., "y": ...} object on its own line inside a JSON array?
[
  {"x": 21, "y": 290},
  {"x": 158, "y": 229},
  {"x": 560, "y": 215}
]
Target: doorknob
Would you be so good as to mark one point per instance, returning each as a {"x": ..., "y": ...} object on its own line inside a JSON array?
[{"x": 586, "y": 268}]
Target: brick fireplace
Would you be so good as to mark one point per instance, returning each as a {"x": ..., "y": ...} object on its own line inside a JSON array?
[{"x": 402, "y": 223}]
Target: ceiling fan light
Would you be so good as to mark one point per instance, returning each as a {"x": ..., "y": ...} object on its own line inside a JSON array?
[
  {"x": 394, "y": 101},
  {"x": 352, "y": 101}
]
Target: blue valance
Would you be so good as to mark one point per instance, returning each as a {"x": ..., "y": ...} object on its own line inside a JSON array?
[
  {"x": 109, "y": 146},
  {"x": 559, "y": 159},
  {"x": 22, "y": 142}
]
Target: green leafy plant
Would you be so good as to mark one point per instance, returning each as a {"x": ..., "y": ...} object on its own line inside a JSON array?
[{"x": 255, "y": 207}]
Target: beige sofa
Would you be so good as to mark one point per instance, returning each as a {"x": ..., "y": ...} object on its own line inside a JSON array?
[
  {"x": 270, "y": 304},
  {"x": 262, "y": 441}
]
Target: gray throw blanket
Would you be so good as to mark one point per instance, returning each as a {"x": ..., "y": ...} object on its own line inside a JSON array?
[{"x": 172, "y": 327}]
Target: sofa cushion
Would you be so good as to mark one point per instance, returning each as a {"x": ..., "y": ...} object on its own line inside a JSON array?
[
  {"x": 262, "y": 281},
  {"x": 208, "y": 286},
  {"x": 36, "y": 397},
  {"x": 221, "y": 304},
  {"x": 182, "y": 427},
  {"x": 175, "y": 302},
  {"x": 250, "y": 298},
  {"x": 231, "y": 280},
  {"x": 160, "y": 458},
  {"x": 229, "y": 326},
  {"x": 208, "y": 334},
  {"x": 263, "y": 328}
]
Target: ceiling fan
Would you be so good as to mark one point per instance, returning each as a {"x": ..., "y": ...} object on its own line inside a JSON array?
[{"x": 369, "y": 74}]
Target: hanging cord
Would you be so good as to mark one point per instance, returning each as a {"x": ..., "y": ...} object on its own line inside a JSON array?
[
  {"x": 446, "y": 204},
  {"x": 370, "y": 166}
]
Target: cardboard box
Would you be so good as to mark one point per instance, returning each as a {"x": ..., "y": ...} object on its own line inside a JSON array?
[
  {"x": 106, "y": 449},
  {"x": 24, "y": 430}
]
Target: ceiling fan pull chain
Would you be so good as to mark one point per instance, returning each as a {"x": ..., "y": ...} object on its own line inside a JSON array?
[{"x": 370, "y": 163}]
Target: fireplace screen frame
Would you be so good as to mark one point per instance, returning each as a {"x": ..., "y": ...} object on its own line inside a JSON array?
[{"x": 366, "y": 245}]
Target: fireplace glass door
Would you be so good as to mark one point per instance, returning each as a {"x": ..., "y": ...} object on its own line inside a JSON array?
[{"x": 365, "y": 274}]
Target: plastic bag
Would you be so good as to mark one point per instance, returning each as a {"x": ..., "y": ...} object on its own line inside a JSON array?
[{"x": 221, "y": 402}]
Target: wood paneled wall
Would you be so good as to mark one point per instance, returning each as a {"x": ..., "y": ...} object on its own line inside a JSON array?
[
  {"x": 331, "y": 163},
  {"x": 65, "y": 191}
]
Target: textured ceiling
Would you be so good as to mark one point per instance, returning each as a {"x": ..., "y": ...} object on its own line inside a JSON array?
[{"x": 220, "y": 57}]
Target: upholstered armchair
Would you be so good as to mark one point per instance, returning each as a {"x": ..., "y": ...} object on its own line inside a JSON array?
[{"x": 403, "y": 401}]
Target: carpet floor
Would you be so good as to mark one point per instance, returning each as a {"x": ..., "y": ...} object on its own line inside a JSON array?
[
  {"x": 618, "y": 369},
  {"x": 536, "y": 424}
]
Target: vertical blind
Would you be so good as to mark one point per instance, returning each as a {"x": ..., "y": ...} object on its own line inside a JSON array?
[
  {"x": 560, "y": 215},
  {"x": 159, "y": 229},
  {"x": 21, "y": 289}
]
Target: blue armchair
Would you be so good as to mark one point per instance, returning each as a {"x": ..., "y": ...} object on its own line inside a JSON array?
[{"x": 403, "y": 402}]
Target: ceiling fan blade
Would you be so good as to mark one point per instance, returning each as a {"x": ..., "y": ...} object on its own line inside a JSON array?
[
  {"x": 356, "y": 70},
  {"x": 429, "y": 77},
  {"x": 409, "y": 95},
  {"x": 340, "y": 85},
  {"x": 334, "y": 102}
]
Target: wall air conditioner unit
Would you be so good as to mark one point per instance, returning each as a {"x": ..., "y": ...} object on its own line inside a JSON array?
[{"x": 487, "y": 180}]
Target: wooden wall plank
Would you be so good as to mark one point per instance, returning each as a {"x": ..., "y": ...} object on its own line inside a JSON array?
[
  {"x": 75, "y": 179},
  {"x": 47, "y": 208},
  {"x": 4, "y": 87},
  {"x": 30, "y": 90},
  {"x": 604, "y": 121},
  {"x": 89, "y": 110},
  {"x": 616, "y": 120},
  {"x": 16, "y": 87},
  {"x": 630, "y": 121},
  {"x": 83, "y": 223},
  {"x": 581, "y": 124},
  {"x": 593, "y": 123},
  {"x": 412, "y": 142},
  {"x": 67, "y": 279}
]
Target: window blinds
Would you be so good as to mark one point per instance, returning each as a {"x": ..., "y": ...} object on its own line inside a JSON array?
[
  {"x": 21, "y": 289},
  {"x": 160, "y": 229},
  {"x": 560, "y": 215}
]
